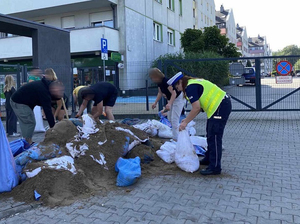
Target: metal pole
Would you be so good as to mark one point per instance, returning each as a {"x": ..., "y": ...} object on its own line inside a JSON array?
[
  {"x": 72, "y": 88},
  {"x": 104, "y": 70},
  {"x": 18, "y": 76},
  {"x": 258, "y": 84},
  {"x": 147, "y": 96}
]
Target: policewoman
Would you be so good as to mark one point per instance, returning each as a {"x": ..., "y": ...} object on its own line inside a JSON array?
[{"x": 208, "y": 97}]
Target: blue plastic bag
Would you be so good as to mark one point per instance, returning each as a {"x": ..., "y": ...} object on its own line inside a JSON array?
[
  {"x": 199, "y": 150},
  {"x": 37, "y": 153},
  {"x": 164, "y": 120},
  {"x": 8, "y": 174},
  {"x": 18, "y": 146},
  {"x": 129, "y": 170}
]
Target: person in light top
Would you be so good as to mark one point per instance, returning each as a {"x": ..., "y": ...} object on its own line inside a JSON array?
[{"x": 175, "y": 99}]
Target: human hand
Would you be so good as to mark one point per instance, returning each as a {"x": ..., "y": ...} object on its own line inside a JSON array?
[
  {"x": 168, "y": 107},
  {"x": 77, "y": 116},
  {"x": 154, "y": 106},
  {"x": 182, "y": 125}
]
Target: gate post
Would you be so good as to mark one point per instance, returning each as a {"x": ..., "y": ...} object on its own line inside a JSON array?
[
  {"x": 18, "y": 76},
  {"x": 258, "y": 84}
]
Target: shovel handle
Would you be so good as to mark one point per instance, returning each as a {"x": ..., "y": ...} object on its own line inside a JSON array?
[{"x": 64, "y": 105}]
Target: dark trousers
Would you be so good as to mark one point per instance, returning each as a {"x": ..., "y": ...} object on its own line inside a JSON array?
[
  {"x": 215, "y": 130},
  {"x": 11, "y": 121}
]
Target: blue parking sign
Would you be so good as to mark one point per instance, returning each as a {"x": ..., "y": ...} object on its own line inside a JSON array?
[{"x": 104, "y": 46}]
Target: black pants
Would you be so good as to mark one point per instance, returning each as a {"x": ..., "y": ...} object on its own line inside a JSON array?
[
  {"x": 215, "y": 130},
  {"x": 11, "y": 121}
]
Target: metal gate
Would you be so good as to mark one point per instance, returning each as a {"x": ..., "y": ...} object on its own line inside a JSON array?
[{"x": 257, "y": 92}]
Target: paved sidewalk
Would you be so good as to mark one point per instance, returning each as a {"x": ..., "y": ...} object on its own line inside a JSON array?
[{"x": 260, "y": 184}]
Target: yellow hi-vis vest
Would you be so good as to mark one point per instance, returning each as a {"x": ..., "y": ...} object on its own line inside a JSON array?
[{"x": 212, "y": 96}]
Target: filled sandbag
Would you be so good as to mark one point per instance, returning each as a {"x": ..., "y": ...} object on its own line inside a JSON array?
[
  {"x": 129, "y": 170},
  {"x": 167, "y": 152},
  {"x": 8, "y": 174},
  {"x": 39, "y": 124},
  {"x": 185, "y": 155}
]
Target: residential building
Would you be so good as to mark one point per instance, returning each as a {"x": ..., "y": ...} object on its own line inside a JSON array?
[
  {"x": 204, "y": 13},
  {"x": 140, "y": 31},
  {"x": 258, "y": 47},
  {"x": 242, "y": 40},
  {"x": 226, "y": 23}
]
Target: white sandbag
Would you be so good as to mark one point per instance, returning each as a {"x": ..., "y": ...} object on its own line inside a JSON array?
[
  {"x": 60, "y": 163},
  {"x": 185, "y": 155},
  {"x": 163, "y": 130},
  {"x": 167, "y": 152},
  {"x": 147, "y": 127},
  {"x": 74, "y": 152},
  {"x": 200, "y": 141},
  {"x": 131, "y": 133},
  {"x": 89, "y": 127},
  {"x": 191, "y": 129},
  {"x": 39, "y": 126}
]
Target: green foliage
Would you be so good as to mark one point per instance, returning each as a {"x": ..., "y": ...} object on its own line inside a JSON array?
[
  {"x": 297, "y": 65},
  {"x": 196, "y": 41},
  {"x": 214, "y": 71},
  {"x": 249, "y": 64},
  {"x": 288, "y": 50},
  {"x": 191, "y": 40}
]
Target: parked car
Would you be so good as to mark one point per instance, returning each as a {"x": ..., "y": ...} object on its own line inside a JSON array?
[{"x": 249, "y": 75}]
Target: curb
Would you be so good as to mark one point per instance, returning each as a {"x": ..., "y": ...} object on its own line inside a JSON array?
[{"x": 17, "y": 209}]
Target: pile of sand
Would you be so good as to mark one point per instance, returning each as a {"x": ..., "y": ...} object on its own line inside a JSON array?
[{"x": 62, "y": 187}]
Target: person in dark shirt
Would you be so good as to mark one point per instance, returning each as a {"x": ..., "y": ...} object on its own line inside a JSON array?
[
  {"x": 37, "y": 93},
  {"x": 175, "y": 99},
  {"x": 11, "y": 118},
  {"x": 104, "y": 94},
  {"x": 206, "y": 96}
]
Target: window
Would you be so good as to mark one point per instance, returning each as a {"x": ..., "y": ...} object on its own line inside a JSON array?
[
  {"x": 194, "y": 27},
  {"x": 194, "y": 13},
  {"x": 171, "y": 37},
  {"x": 107, "y": 23},
  {"x": 201, "y": 16},
  {"x": 171, "y": 4},
  {"x": 207, "y": 6},
  {"x": 201, "y": 2},
  {"x": 180, "y": 7},
  {"x": 68, "y": 22},
  {"x": 159, "y": 1},
  {"x": 157, "y": 31}
]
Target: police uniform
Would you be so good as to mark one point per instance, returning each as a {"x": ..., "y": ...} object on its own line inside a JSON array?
[{"x": 217, "y": 105}]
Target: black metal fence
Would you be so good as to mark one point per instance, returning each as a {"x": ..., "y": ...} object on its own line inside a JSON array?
[
  {"x": 264, "y": 90},
  {"x": 261, "y": 89}
]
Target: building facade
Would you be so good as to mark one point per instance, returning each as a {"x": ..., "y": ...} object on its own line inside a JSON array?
[
  {"x": 140, "y": 31},
  {"x": 226, "y": 23},
  {"x": 258, "y": 47},
  {"x": 242, "y": 40}
]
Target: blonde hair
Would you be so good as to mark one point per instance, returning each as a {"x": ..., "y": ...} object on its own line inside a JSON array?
[
  {"x": 9, "y": 83},
  {"x": 51, "y": 72},
  {"x": 155, "y": 72}
]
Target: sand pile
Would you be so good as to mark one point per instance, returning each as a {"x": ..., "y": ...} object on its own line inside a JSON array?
[{"x": 62, "y": 187}]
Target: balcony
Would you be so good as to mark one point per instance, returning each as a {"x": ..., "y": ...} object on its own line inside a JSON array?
[
  {"x": 82, "y": 40},
  {"x": 86, "y": 40},
  {"x": 41, "y": 8}
]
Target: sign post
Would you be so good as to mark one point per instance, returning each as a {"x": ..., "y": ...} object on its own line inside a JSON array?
[
  {"x": 104, "y": 54},
  {"x": 284, "y": 68}
]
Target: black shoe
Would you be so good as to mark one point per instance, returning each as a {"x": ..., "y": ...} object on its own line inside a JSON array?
[
  {"x": 209, "y": 172},
  {"x": 204, "y": 162}
]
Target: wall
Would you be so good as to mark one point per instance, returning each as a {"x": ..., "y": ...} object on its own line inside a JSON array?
[
  {"x": 231, "y": 27},
  {"x": 140, "y": 49},
  {"x": 206, "y": 13}
]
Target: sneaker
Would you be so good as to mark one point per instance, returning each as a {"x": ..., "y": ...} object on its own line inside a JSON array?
[{"x": 15, "y": 135}]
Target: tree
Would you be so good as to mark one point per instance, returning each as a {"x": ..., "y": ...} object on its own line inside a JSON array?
[
  {"x": 209, "y": 40},
  {"x": 297, "y": 65},
  {"x": 249, "y": 64},
  {"x": 288, "y": 50},
  {"x": 214, "y": 71}
]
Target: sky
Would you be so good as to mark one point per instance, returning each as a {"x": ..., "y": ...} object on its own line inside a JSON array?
[{"x": 277, "y": 20}]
